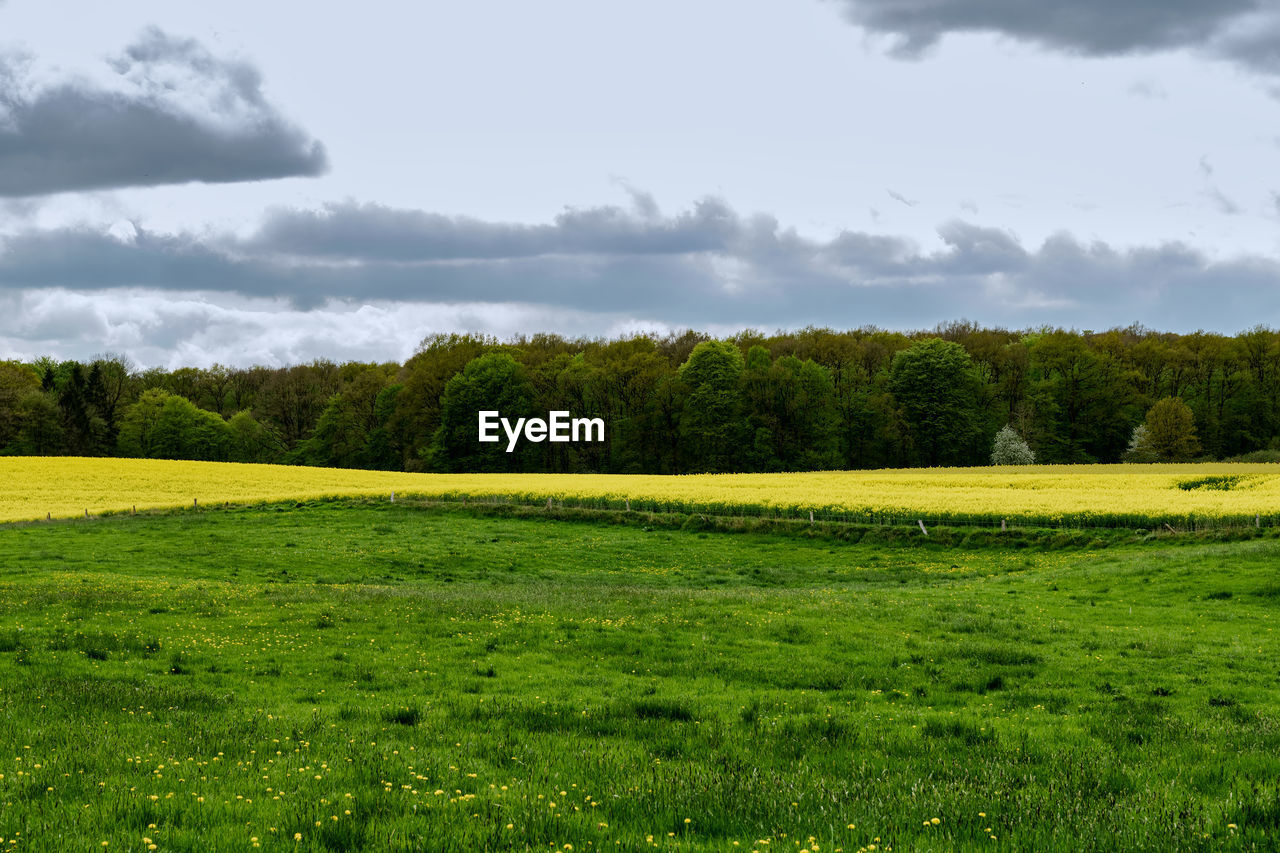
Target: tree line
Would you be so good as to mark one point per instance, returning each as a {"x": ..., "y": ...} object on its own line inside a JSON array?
[{"x": 683, "y": 403}]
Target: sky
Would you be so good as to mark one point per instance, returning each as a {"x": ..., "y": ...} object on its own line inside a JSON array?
[{"x": 270, "y": 183}]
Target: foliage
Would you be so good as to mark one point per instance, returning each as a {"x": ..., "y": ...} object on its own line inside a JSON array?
[
  {"x": 710, "y": 425},
  {"x": 805, "y": 400},
  {"x": 1171, "y": 431},
  {"x": 251, "y": 441},
  {"x": 937, "y": 390},
  {"x": 165, "y": 426},
  {"x": 492, "y": 382}
]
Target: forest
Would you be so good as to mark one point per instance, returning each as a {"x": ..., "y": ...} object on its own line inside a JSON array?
[{"x": 681, "y": 403}]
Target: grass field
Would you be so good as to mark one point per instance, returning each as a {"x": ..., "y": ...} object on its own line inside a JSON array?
[
  {"x": 1193, "y": 496},
  {"x": 344, "y": 676}
]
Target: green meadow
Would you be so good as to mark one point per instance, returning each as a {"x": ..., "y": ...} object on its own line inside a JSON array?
[{"x": 352, "y": 675}]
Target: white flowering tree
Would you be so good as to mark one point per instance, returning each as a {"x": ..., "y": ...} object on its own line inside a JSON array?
[
  {"x": 1010, "y": 449},
  {"x": 1140, "y": 446}
]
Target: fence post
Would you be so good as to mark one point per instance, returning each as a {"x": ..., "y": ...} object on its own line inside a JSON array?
[
  {"x": 1257, "y": 520},
  {"x": 393, "y": 495},
  {"x": 548, "y": 503},
  {"x": 628, "y": 504},
  {"x": 811, "y": 516},
  {"x": 1002, "y": 525},
  {"x": 922, "y": 530}
]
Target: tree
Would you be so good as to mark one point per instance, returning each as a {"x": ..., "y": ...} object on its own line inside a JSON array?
[
  {"x": 251, "y": 441},
  {"x": 40, "y": 431},
  {"x": 291, "y": 400},
  {"x": 493, "y": 382},
  {"x": 167, "y": 426},
  {"x": 935, "y": 386},
  {"x": 1140, "y": 449},
  {"x": 789, "y": 413},
  {"x": 17, "y": 381},
  {"x": 137, "y": 426},
  {"x": 1080, "y": 400},
  {"x": 711, "y": 429},
  {"x": 341, "y": 434},
  {"x": 1010, "y": 449},
  {"x": 1171, "y": 430},
  {"x": 414, "y": 420}
]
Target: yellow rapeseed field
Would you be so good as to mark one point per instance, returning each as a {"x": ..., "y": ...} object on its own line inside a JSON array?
[{"x": 1134, "y": 495}]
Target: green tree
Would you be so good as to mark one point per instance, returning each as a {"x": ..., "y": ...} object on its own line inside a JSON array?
[
  {"x": 161, "y": 425},
  {"x": 251, "y": 441},
  {"x": 415, "y": 420},
  {"x": 1171, "y": 430},
  {"x": 938, "y": 393},
  {"x": 493, "y": 382},
  {"x": 711, "y": 426},
  {"x": 790, "y": 414},
  {"x": 17, "y": 382},
  {"x": 138, "y": 424},
  {"x": 40, "y": 431},
  {"x": 1081, "y": 399},
  {"x": 342, "y": 432}
]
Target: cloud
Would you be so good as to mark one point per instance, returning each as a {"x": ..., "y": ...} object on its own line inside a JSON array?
[
  {"x": 899, "y": 197},
  {"x": 187, "y": 330},
  {"x": 1222, "y": 202},
  {"x": 372, "y": 231},
  {"x": 306, "y": 272},
  {"x": 1241, "y": 31},
  {"x": 170, "y": 113},
  {"x": 1148, "y": 89}
]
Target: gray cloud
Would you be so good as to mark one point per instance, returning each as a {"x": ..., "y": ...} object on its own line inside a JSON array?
[
  {"x": 1222, "y": 202},
  {"x": 897, "y": 196},
  {"x": 172, "y": 113},
  {"x": 1242, "y": 31},
  {"x": 707, "y": 266}
]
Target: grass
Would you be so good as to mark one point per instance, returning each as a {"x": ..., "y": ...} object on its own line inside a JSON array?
[{"x": 348, "y": 676}]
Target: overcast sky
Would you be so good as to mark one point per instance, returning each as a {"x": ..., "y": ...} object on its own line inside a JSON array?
[{"x": 270, "y": 183}]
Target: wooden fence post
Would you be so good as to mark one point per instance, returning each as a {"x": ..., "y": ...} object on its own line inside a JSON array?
[{"x": 922, "y": 530}]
